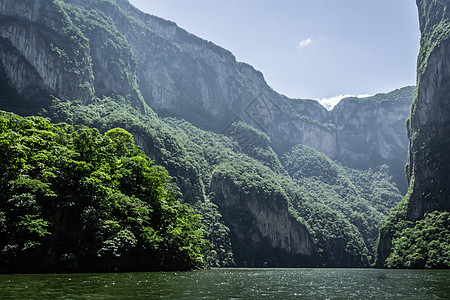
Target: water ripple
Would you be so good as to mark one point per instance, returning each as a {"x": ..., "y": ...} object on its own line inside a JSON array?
[{"x": 234, "y": 284}]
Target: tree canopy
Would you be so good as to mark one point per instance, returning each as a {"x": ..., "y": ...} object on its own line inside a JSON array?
[{"x": 73, "y": 199}]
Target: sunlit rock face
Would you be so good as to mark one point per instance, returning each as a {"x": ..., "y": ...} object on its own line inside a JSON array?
[
  {"x": 204, "y": 84},
  {"x": 372, "y": 131},
  {"x": 49, "y": 49}
]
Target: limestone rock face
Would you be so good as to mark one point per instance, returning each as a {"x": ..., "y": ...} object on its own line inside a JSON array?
[
  {"x": 38, "y": 57},
  {"x": 204, "y": 84},
  {"x": 263, "y": 229},
  {"x": 428, "y": 168},
  {"x": 60, "y": 49},
  {"x": 49, "y": 48},
  {"x": 372, "y": 132},
  {"x": 428, "y": 127}
]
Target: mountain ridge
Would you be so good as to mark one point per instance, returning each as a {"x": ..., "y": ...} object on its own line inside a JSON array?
[
  {"x": 216, "y": 126},
  {"x": 203, "y": 83}
]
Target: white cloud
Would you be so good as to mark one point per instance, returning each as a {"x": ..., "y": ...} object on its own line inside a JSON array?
[
  {"x": 305, "y": 43},
  {"x": 331, "y": 102}
]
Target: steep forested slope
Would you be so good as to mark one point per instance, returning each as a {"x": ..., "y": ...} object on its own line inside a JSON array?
[
  {"x": 238, "y": 181},
  {"x": 237, "y": 158},
  {"x": 416, "y": 233},
  {"x": 76, "y": 200},
  {"x": 77, "y": 49},
  {"x": 363, "y": 197}
]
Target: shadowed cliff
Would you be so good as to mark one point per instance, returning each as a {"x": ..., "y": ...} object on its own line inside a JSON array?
[{"x": 416, "y": 232}]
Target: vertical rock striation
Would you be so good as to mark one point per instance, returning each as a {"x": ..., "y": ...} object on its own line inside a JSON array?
[
  {"x": 80, "y": 49},
  {"x": 263, "y": 232},
  {"x": 372, "y": 132},
  {"x": 43, "y": 52},
  {"x": 428, "y": 168},
  {"x": 428, "y": 127}
]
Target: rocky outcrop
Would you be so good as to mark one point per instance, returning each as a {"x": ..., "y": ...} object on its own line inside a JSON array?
[
  {"x": 263, "y": 232},
  {"x": 70, "y": 50},
  {"x": 66, "y": 51},
  {"x": 371, "y": 132},
  {"x": 428, "y": 168},
  {"x": 43, "y": 52}
]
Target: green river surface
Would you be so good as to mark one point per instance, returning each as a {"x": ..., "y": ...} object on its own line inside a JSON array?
[{"x": 234, "y": 284}]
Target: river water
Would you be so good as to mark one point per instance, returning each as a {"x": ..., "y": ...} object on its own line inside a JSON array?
[{"x": 234, "y": 284}]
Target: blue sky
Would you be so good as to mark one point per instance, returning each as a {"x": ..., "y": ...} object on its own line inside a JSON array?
[{"x": 309, "y": 48}]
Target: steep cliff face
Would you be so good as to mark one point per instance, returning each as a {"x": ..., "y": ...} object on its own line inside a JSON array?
[
  {"x": 108, "y": 48},
  {"x": 120, "y": 63},
  {"x": 428, "y": 168},
  {"x": 429, "y": 124},
  {"x": 372, "y": 132},
  {"x": 64, "y": 50},
  {"x": 263, "y": 233},
  {"x": 43, "y": 52},
  {"x": 205, "y": 85}
]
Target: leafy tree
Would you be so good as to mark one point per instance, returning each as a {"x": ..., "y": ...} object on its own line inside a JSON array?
[
  {"x": 77, "y": 200},
  {"x": 422, "y": 244}
]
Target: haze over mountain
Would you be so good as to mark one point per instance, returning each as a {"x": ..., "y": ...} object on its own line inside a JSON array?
[
  {"x": 309, "y": 49},
  {"x": 278, "y": 181}
]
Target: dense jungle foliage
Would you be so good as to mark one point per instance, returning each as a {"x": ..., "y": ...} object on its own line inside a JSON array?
[
  {"x": 79, "y": 195},
  {"x": 73, "y": 199},
  {"x": 363, "y": 197},
  {"x": 342, "y": 208},
  {"x": 343, "y": 212},
  {"x": 421, "y": 244}
]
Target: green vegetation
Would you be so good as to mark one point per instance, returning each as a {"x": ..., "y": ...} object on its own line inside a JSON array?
[
  {"x": 337, "y": 242},
  {"x": 112, "y": 51},
  {"x": 416, "y": 232},
  {"x": 392, "y": 98},
  {"x": 421, "y": 244},
  {"x": 73, "y": 49},
  {"x": 174, "y": 145},
  {"x": 361, "y": 197},
  {"x": 256, "y": 144},
  {"x": 81, "y": 196},
  {"x": 76, "y": 200},
  {"x": 340, "y": 207}
]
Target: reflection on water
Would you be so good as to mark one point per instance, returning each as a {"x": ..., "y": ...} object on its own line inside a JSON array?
[{"x": 234, "y": 284}]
